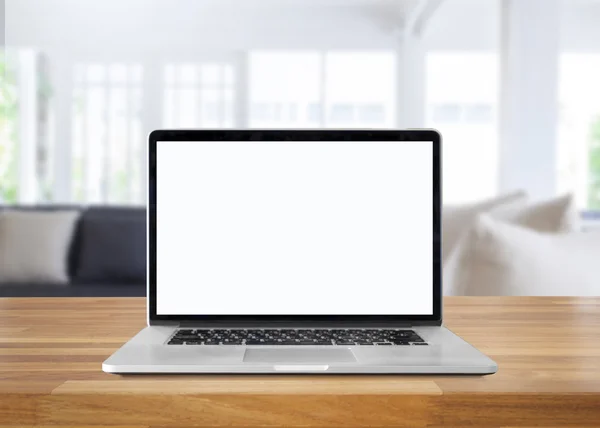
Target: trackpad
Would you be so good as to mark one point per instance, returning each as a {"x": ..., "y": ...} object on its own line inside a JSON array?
[{"x": 298, "y": 356}]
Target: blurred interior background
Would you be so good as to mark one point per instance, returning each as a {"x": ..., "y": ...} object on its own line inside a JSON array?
[
  {"x": 513, "y": 86},
  {"x": 84, "y": 82}
]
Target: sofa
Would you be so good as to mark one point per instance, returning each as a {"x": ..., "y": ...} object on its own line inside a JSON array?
[
  {"x": 512, "y": 245},
  {"x": 106, "y": 255}
]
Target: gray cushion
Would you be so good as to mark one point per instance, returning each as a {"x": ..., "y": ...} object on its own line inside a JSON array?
[
  {"x": 34, "y": 245},
  {"x": 72, "y": 257},
  {"x": 112, "y": 246}
]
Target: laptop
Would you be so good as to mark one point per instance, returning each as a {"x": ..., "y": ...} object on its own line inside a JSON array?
[{"x": 314, "y": 251}]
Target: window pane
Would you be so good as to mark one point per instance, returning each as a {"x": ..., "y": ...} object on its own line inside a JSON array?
[
  {"x": 188, "y": 112},
  {"x": 95, "y": 144},
  {"x": 478, "y": 113},
  {"x": 292, "y": 112},
  {"x": 96, "y": 73},
  {"x": 135, "y": 73},
  {"x": 117, "y": 73},
  {"x": 279, "y": 80},
  {"x": 106, "y": 160},
  {"x": 212, "y": 108},
  {"x": 371, "y": 113},
  {"x": 341, "y": 113},
  {"x": 9, "y": 122},
  {"x": 294, "y": 89},
  {"x": 170, "y": 108},
  {"x": 77, "y": 148},
  {"x": 118, "y": 146},
  {"x": 314, "y": 112},
  {"x": 188, "y": 74},
  {"x": 211, "y": 74},
  {"x": 228, "y": 118},
  {"x": 578, "y": 155},
  {"x": 446, "y": 113},
  {"x": 359, "y": 89},
  {"x": 228, "y": 76},
  {"x": 199, "y": 96}
]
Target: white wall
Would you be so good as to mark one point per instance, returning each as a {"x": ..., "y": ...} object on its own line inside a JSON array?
[
  {"x": 121, "y": 28},
  {"x": 474, "y": 25},
  {"x": 167, "y": 27},
  {"x": 580, "y": 25},
  {"x": 464, "y": 25}
]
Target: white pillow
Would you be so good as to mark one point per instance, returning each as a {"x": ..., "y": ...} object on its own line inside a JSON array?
[
  {"x": 553, "y": 216},
  {"x": 456, "y": 219},
  {"x": 502, "y": 259},
  {"x": 34, "y": 246}
]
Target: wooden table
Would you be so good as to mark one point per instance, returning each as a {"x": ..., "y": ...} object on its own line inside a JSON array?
[{"x": 548, "y": 351}]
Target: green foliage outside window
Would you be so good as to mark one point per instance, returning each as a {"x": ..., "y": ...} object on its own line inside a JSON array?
[
  {"x": 594, "y": 167},
  {"x": 8, "y": 132}
]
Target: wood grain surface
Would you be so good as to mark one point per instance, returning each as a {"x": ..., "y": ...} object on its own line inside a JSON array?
[{"x": 548, "y": 351}]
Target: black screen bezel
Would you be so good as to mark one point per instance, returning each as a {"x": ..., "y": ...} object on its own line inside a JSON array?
[{"x": 298, "y": 135}]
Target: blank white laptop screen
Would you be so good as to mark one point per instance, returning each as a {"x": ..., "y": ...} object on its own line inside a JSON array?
[{"x": 294, "y": 228}]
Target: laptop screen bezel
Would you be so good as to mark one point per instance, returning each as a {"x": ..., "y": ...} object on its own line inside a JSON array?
[{"x": 424, "y": 135}]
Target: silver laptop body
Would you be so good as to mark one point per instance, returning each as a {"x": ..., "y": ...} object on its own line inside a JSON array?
[{"x": 279, "y": 252}]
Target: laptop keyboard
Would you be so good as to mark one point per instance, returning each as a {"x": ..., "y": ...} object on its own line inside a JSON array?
[{"x": 340, "y": 337}]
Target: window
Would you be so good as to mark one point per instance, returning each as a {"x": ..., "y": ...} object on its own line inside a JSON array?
[
  {"x": 479, "y": 113},
  {"x": 199, "y": 95},
  {"x": 314, "y": 112},
  {"x": 315, "y": 89},
  {"x": 275, "y": 112},
  {"x": 371, "y": 113},
  {"x": 461, "y": 103},
  {"x": 25, "y": 152},
  {"x": 107, "y": 139},
  {"x": 462, "y": 113},
  {"x": 9, "y": 109},
  {"x": 341, "y": 114},
  {"x": 578, "y": 154},
  {"x": 360, "y": 82},
  {"x": 446, "y": 113},
  {"x": 285, "y": 90}
]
